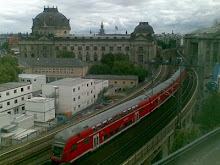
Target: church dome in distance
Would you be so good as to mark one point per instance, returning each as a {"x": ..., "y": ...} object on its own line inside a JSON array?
[
  {"x": 143, "y": 27},
  {"x": 51, "y": 21}
]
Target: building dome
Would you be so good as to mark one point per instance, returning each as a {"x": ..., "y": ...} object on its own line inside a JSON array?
[
  {"x": 51, "y": 21},
  {"x": 144, "y": 28}
]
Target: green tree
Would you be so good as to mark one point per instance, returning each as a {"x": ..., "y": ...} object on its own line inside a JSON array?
[
  {"x": 108, "y": 59},
  {"x": 66, "y": 54},
  {"x": 100, "y": 69},
  {"x": 5, "y": 46},
  {"x": 141, "y": 72},
  {"x": 9, "y": 69},
  {"x": 122, "y": 68}
]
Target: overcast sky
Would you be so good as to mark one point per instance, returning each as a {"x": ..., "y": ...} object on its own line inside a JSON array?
[{"x": 181, "y": 16}]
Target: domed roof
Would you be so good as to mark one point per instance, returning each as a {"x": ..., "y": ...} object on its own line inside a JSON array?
[
  {"x": 51, "y": 17},
  {"x": 144, "y": 27}
]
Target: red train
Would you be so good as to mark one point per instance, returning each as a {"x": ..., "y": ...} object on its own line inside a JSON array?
[{"x": 88, "y": 135}]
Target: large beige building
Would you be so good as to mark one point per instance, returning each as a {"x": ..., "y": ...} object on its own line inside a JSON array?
[{"x": 51, "y": 34}]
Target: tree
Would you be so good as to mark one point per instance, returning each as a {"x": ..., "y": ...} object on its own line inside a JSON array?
[
  {"x": 5, "y": 46},
  {"x": 108, "y": 59},
  {"x": 100, "y": 69},
  {"x": 141, "y": 72},
  {"x": 66, "y": 54},
  {"x": 122, "y": 68},
  {"x": 9, "y": 69}
]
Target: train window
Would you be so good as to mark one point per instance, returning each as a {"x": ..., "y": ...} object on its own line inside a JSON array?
[
  {"x": 134, "y": 108},
  {"x": 116, "y": 130},
  {"x": 126, "y": 124},
  {"x": 99, "y": 126},
  {"x": 86, "y": 140},
  {"x": 105, "y": 137},
  {"x": 129, "y": 110},
  {"x": 125, "y": 112},
  {"x": 110, "y": 120},
  {"x": 121, "y": 115},
  {"x": 116, "y": 117},
  {"x": 73, "y": 147},
  {"x": 105, "y": 123},
  {"x": 130, "y": 122},
  {"x": 93, "y": 129},
  {"x": 57, "y": 151},
  {"x": 142, "y": 109},
  {"x": 121, "y": 128},
  {"x": 111, "y": 133}
]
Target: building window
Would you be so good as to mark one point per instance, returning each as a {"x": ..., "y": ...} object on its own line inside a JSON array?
[
  {"x": 78, "y": 106},
  {"x": 127, "y": 48},
  {"x": 64, "y": 47},
  {"x": 73, "y": 89},
  {"x": 44, "y": 47},
  {"x": 78, "y": 88},
  {"x": 103, "y": 48},
  {"x": 95, "y": 57},
  {"x": 118, "y": 48},
  {"x": 22, "y": 89},
  {"x": 1, "y": 106},
  {"x": 72, "y": 47},
  {"x": 95, "y": 48},
  {"x": 15, "y": 111},
  {"x": 87, "y": 56},
  {"x": 29, "y": 96},
  {"x": 8, "y": 103},
  {"x": 140, "y": 58},
  {"x": 15, "y": 91},
  {"x": 15, "y": 101},
  {"x": 74, "y": 99},
  {"x": 141, "y": 48},
  {"x": 132, "y": 82},
  {"x": 23, "y": 108},
  {"x": 87, "y": 47},
  {"x": 115, "y": 82},
  {"x": 28, "y": 87},
  {"x": 22, "y": 99},
  {"x": 79, "y": 47},
  {"x": 110, "y": 48},
  {"x": 7, "y": 93},
  {"x": 78, "y": 97},
  {"x": 0, "y": 95},
  {"x": 57, "y": 48}
]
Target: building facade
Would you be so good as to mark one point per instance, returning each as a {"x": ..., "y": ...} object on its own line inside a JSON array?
[
  {"x": 71, "y": 95},
  {"x": 46, "y": 41},
  {"x": 36, "y": 80},
  {"x": 13, "y": 96},
  {"x": 42, "y": 109},
  {"x": 202, "y": 48},
  {"x": 54, "y": 68}
]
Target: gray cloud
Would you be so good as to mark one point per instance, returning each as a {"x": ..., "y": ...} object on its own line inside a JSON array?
[{"x": 163, "y": 16}]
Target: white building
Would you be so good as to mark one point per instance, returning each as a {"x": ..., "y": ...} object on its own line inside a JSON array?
[
  {"x": 23, "y": 121},
  {"x": 13, "y": 96},
  {"x": 100, "y": 85},
  {"x": 4, "y": 120},
  {"x": 42, "y": 109},
  {"x": 36, "y": 80},
  {"x": 71, "y": 95}
]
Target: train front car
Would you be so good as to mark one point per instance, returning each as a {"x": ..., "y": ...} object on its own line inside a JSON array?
[{"x": 66, "y": 146}]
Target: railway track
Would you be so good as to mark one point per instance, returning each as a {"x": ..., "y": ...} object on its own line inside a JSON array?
[
  {"x": 120, "y": 148},
  {"x": 24, "y": 152}
]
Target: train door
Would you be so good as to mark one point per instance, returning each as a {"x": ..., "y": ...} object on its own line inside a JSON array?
[
  {"x": 136, "y": 116},
  {"x": 96, "y": 141}
]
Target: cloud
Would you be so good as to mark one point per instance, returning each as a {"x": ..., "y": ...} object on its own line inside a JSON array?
[{"x": 162, "y": 15}]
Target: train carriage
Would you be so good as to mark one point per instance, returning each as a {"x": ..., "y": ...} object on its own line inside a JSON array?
[{"x": 88, "y": 135}]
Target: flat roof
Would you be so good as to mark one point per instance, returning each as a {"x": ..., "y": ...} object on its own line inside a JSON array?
[
  {"x": 30, "y": 75},
  {"x": 39, "y": 99},
  {"x": 110, "y": 77},
  {"x": 69, "y": 82},
  {"x": 11, "y": 85}
]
